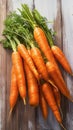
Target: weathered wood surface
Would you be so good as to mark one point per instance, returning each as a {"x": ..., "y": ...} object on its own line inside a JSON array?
[{"x": 28, "y": 118}]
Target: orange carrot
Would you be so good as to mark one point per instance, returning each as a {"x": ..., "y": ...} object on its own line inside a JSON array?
[
  {"x": 33, "y": 91},
  {"x": 54, "y": 75},
  {"x": 40, "y": 65},
  {"x": 59, "y": 55},
  {"x": 17, "y": 62},
  {"x": 41, "y": 39},
  {"x": 57, "y": 96},
  {"x": 29, "y": 51},
  {"x": 43, "y": 106},
  {"x": 13, "y": 89},
  {"x": 48, "y": 94},
  {"x": 39, "y": 62},
  {"x": 25, "y": 55}
]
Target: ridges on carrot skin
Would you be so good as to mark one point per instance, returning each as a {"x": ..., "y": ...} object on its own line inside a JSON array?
[
  {"x": 59, "y": 55},
  {"x": 40, "y": 65},
  {"x": 25, "y": 55},
  {"x": 17, "y": 62},
  {"x": 48, "y": 94},
  {"x": 13, "y": 91},
  {"x": 54, "y": 75},
  {"x": 57, "y": 96},
  {"x": 33, "y": 90},
  {"x": 43, "y": 105}
]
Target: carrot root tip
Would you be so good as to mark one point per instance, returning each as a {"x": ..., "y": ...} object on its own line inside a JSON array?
[
  {"x": 62, "y": 126},
  {"x": 24, "y": 101},
  {"x": 10, "y": 112},
  {"x": 53, "y": 84},
  {"x": 61, "y": 112}
]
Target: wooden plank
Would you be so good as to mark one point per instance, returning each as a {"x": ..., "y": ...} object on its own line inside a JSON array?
[
  {"x": 2, "y": 69},
  {"x": 67, "y": 22}
]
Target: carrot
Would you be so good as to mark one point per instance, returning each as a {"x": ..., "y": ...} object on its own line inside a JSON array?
[
  {"x": 17, "y": 62},
  {"x": 43, "y": 106},
  {"x": 57, "y": 96},
  {"x": 19, "y": 71},
  {"x": 25, "y": 55},
  {"x": 59, "y": 55},
  {"x": 54, "y": 75},
  {"x": 33, "y": 91},
  {"x": 48, "y": 94},
  {"x": 39, "y": 62},
  {"x": 29, "y": 51},
  {"x": 13, "y": 90},
  {"x": 40, "y": 65}
]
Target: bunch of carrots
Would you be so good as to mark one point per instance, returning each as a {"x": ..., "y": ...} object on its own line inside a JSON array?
[{"x": 34, "y": 66}]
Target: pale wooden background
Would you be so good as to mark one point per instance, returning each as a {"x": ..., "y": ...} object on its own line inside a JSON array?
[{"x": 27, "y": 118}]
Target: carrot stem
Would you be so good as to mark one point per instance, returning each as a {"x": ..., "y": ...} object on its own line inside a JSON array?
[
  {"x": 17, "y": 41},
  {"x": 12, "y": 43},
  {"x": 27, "y": 13}
]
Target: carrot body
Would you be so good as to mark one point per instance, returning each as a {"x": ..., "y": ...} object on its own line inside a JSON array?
[
  {"x": 33, "y": 91},
  {"x": 59, "y": 55},
  {"x": 57, "y": 96},
  {"x": 41, "y": 39},
  {"x": 13, "y": 89},
  {"x": 48, "y": 94},
  {"x": 39, "y": 62},
  {"x": 43, "y": 106},
  {"x": 24, "y": 53},
  {"x": 17, "y": 62},
  {"x": 54, "y": 75}
]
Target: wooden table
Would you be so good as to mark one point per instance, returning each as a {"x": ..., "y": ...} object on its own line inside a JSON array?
[{"x": 60, "y": 12}]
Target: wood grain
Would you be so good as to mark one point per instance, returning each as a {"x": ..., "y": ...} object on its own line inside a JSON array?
[
  {"x": 67, "y": 22},
  {"x": 60, "y": 12},
  {"x": 3, "y": 80}
]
